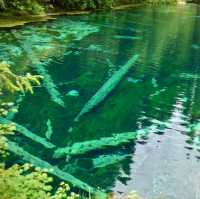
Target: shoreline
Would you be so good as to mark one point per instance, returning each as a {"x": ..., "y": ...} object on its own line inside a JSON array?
[{"x": 16, "y": 21}]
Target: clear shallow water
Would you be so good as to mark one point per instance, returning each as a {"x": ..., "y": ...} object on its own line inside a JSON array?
[{"x": 81, "y": 53}]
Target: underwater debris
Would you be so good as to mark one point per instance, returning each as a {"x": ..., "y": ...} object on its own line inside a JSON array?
[
  {"x": 107, "y": 160},
  {"x": 49, "y": 85},
  {"x": 73, "y": 93},
  {"x": 37, "y": 162},
  {"x": 127, "y": 37},
  {"x": 29, "y": 134},
  {"x": 154, "y": 82},
  {"x": 94, "y": 47},
  {"x": 84, "y": 147},
  {"x": 133, "y": 80},
  {"x": 195, "y": 47},
  {"x": 158, "y": 92},
  {"x": 102, "y": 143},
  {"x": 101, "y": 161},
  {"x": 111, "y": 68},
  {"x": 189, "y": 76},
  {"x": 11, "y": 114},
  {"x": 108, "y": 86},
  {"x": 49, "y": 131}
]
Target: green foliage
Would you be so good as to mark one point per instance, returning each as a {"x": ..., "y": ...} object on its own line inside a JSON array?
[
  {"x": 88, "y": 4},
  {"x": 10, "y": 82},
  {"x": 26, "y": 182},
  {"x": 22, "y": 181},
  {"x": 22, "y": 6},
  {"x": 15, "y": 83},
  {"x": 36, "y": 7}
]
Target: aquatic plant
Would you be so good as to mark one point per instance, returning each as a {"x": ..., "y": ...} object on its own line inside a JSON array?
[
  {"x": 10, "y": 81},
  {"x": 107, "y": 87}
]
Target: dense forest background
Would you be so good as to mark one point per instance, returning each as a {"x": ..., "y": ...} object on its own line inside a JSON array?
[{"x": 21, "y": 7}]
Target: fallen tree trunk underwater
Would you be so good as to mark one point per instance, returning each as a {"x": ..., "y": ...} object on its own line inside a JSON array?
[
  {"x": 29, "y": 134},
  {"x": 80, "y": 148},
  {"x": 37, "y": 162},
  {"x": 84, "y": 147},
  {"x": 41, "y": 70},
  {"x": 108, "y": 86}
]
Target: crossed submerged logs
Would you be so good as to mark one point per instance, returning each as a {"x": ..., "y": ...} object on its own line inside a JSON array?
[
  {"x": 80, "y": 148},
  {"x": 37, "y": 162},
  {"x": 29, "y": 134},
  {"x": 84, "y": 147},
  {"x": 108, "y": 86}
]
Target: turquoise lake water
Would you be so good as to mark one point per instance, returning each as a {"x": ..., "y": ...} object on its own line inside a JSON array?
[{"x": 159, "y": 97}]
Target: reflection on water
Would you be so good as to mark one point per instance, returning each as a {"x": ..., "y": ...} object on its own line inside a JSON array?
[{"x": 76, "y": 56}]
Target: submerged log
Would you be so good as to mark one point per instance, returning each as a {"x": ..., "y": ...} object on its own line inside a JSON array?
[
  {"x": 108, "y": 86},
  {"x": 37, "y": 162},
  {"x": 84, "y": 147},
  {"x": 80, "y": 148},
  {"x": 107, "y": 160},
  {"x": 49, "y": 84},
  {"x": 41, "y": 70},
  {"x": 49, "y": 131},
  {"x": 29, "y": 134}
]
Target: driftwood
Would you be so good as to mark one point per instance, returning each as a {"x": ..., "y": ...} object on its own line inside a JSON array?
[
  {"x": 37, "y": 162},
  {"x": 108, "y": 86},
  {"x": 29, "y": 134}
]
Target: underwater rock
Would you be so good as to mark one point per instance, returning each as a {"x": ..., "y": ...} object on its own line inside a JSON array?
[
  {"x": 73, "y": 93},
  {"x": 107, "y": 87}
]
